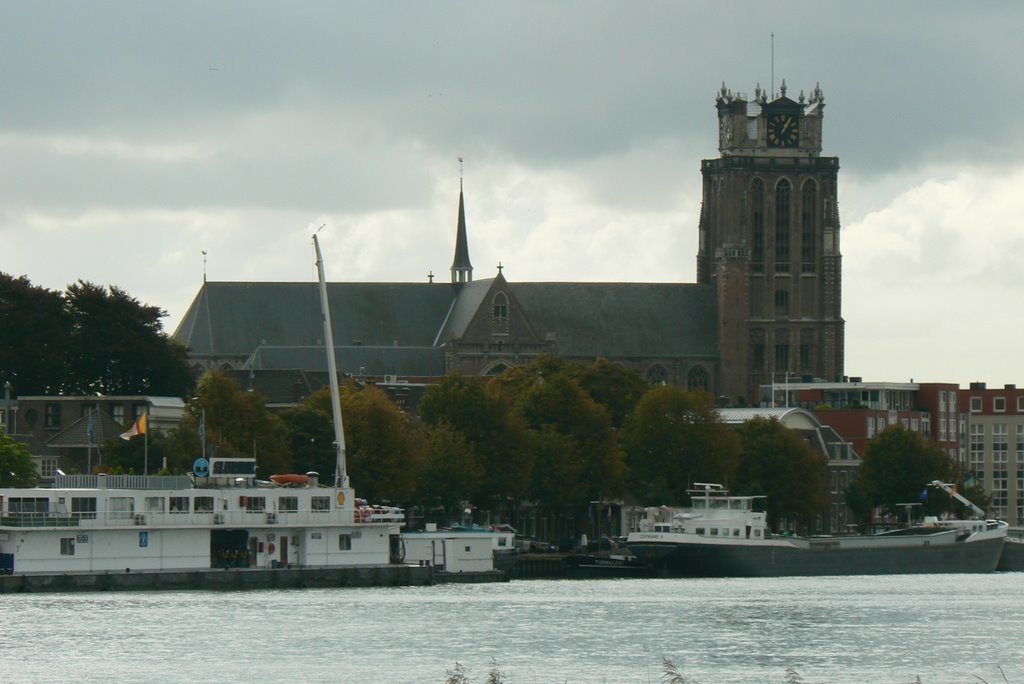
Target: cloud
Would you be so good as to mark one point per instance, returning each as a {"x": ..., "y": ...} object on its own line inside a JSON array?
[{"x": 930, "y": 277}]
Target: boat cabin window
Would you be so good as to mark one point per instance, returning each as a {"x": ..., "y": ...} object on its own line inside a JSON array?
[
  {"x": 700, "y": 504},
  {"x": 18, "y": 505},
  {"x": 288, "y": 504},
  {"x": 67, "y": 546},
  {"x": 154, "y": 504},
  {"x": 700, "y": 531},
  {"x": 320, "y": 504},
  {"x": 254, "y": 504},
  {"x": 737, "y": 504},
  {"x": 177, "y": 504},
  {"x": 124, "y": 506},
  {"x": 203, "y": 504},
  {"x": 736, "y": 532},
  {"x": 344, "y": 542},
  {"x": 757, "y": 533},
  {"x": 719, "y": 503},
  {"x": 83, "y": 507}
]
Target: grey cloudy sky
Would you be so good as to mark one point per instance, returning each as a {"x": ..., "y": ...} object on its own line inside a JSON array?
[{"x": 133, "y": 136}]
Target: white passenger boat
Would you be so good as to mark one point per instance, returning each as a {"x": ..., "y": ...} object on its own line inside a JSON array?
[{"x": 219, "y": 516}]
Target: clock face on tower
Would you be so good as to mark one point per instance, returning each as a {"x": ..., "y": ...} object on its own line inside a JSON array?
[{"x": 783, "y": 130}]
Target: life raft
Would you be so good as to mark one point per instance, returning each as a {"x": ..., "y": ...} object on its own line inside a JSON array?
[{"x": 289, "y": 478}]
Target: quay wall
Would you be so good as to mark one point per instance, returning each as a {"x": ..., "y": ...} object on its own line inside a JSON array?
[{"x": 224, "y": 580}]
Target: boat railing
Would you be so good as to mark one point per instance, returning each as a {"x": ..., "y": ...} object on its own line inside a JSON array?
[
  {"x": 227, "y": 518},
  {"x": 122, "y": 482}
]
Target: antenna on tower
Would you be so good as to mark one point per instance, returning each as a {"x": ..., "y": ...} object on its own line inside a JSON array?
[
  {"x": 773, "y": 64},
  {"x": 460, "y": 173},
  {"x": 204, "y": 265}
]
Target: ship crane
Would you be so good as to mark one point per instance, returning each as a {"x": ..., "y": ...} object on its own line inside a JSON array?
[{"x": 959, "y": 497}]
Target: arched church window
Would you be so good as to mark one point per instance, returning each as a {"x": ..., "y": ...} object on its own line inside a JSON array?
[
  {"x": 782, "y": 209},
  {"x": 657, "y": 375},
  {"x": 757, "y": 225},
  {"x": 698, "y": 378},
  {"x": 808, "y": 226},
  {"x": 499, "y": 314}
]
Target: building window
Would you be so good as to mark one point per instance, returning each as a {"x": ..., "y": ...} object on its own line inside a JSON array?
[
  {"x": 782, "y": 355},
  {"x": 500, "y": 314},
  {"x": 254, "y": 504},
  {"x": 757, "y": 225},
  {"x": 344, "y": 542},
  {"x": 121, "y": 507},
  {"x": 975, "y": 404},
  {"x": 117, "y": 413},
  {"x": 657, "y": 375},
  {"x": 782, "y": 192},
  {"x": 138, "y": 410},
  {"x": 698, "y": 378},
  {"x": 52, "y": 416},
  {"x": 808, "y": 243},
  {"x": 83, "y": 507},
  {"x": 67, "y": 546},
  {"x": 48, "y": 467},
  {"x": 782, "y": 302},
  {"x": 288, "y": 504},
  {"x": 178, "y": 504},
  {"x": 1020, "y": 404},
  {"x": 320, "y": 504},
  {"x": 999, "y": 404}
]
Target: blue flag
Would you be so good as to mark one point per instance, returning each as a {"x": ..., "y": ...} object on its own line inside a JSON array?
[
  {"x": 924, "y": 494},
  {"x": 202, "y": 427},
  {"x": 90, "y": 434}
]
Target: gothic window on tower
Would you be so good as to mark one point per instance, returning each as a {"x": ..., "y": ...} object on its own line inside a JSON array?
[
  {"x": 782, "y": 355},
  {"x": 808, "y": 225},
  {"x": 782, "y": 192},
  {"x": 807, "y": 351},
  {"x": 757, "y": 349},
  {"x": 499, "y": 315},
  {"x": 782, "y": 302},
  {"x": 698, "y": 378},
  {"x": 657, "y": 375},
  {"x": 757, "y": 225}
]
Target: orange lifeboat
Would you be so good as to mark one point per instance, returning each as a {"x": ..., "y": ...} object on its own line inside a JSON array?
[{"x": 289, "y": 478}]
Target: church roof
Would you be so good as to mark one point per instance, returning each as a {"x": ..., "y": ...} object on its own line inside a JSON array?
[
  {"x": 402, "y": 328},
  {"x": 236, "y": 318},
  {"x": 624, "y": 319}
]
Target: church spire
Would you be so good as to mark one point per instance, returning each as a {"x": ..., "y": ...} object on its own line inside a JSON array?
[{"x": 462, "y": 270}]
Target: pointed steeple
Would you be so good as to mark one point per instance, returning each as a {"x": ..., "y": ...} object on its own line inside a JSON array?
[{"x": 462, "y": 270}]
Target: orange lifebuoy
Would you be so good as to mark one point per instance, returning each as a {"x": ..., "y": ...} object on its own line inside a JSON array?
[{"x": 341, "y": 498}]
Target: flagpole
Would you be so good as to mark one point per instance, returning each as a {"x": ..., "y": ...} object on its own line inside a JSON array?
[{"x": 145, "y": 450}]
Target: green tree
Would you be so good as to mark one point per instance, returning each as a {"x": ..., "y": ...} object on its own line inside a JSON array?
[
  {"x": 132, "y": 456},
  {"x": 675, "y": 438},
  {"x": 116, "y": 346},
  {"x": 384, "y": 458},
  {"x": 311, "y": 435},
  {"x": 497, "y": 437},
  {"x": 16, "y": 466},
  {"x": 33, "y": 333},
  {"x": 896, "y": 467},
  {"x": 452, "y": 471},
  {"x": 615, "y": 387},
  {"x": 582, "y": 460},
  {"x": 778, "y": 463}
]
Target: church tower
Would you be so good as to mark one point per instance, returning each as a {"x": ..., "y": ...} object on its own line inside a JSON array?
[{"x": 769, "y": 243}]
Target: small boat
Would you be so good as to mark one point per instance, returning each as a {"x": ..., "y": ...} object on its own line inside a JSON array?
[
  {"x": 596, "y": 566},
  {"x": 290, "y": 479},
  {"x": 723, "y": 536}
]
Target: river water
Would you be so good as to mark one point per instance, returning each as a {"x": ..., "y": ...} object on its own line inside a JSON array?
[{"x": 941, "y": 628}]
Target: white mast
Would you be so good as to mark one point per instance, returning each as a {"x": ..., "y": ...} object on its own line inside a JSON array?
[{"x": 340, "y": 474}]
